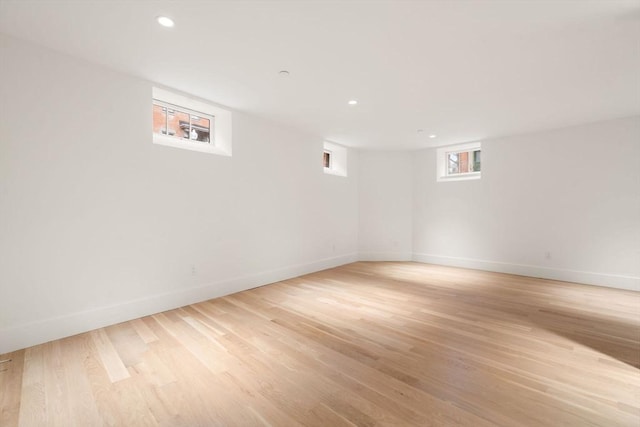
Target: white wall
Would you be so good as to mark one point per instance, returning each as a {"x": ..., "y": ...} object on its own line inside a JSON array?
[
  {"x": 574, "y": 193},
  {"x": 99, "y": 225},
  {"x": 385, "y": 195}
]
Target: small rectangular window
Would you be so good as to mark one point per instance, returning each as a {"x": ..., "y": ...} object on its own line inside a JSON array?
[
  {"x": 326, "y": 159},
  {"x": 334, "y": 159},
  {"x": 476, "y": 161},
  {"x": 181, "y": 123},
  {"x": 459, "y": 162}
]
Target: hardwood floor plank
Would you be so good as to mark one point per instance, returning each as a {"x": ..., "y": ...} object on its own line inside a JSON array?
[
  {"x": 109, "y": 356},
  {"x": 33, "y": 407},
  {"x": 143, "y": 331},
  {"x": 90, "y": 383},
  {"x": 11, "y": 374}
]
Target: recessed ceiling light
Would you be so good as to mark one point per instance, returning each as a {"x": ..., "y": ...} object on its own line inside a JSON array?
[
  {"x": 165, "y": 22},
  {"x": 432, "y": 136},
  {"x": 353, "y": 102},
  {"x": 284, "y": 73}
]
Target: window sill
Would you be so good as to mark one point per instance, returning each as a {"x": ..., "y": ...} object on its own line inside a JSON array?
[
  {"x": 461, "y": 177},
  {"x": 186, "y": 144},
  {"x": 334, "y": 172}
]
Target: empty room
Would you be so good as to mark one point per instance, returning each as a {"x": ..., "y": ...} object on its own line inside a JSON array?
[{"x": 319, "y": 213}]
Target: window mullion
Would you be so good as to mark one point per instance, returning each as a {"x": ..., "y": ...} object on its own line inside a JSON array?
[{"x": 166, "y": 120}]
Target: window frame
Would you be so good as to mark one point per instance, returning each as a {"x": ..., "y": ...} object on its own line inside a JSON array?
[
  {"x": 443, "y": 162},
  {"x": 191, "y": 113},
  {"x": 330, "y": 153},
  {"x": 219, "y": 125},
  {"x": 338, "y": 159}
]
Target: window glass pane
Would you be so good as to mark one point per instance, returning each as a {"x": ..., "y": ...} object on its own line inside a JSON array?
[
  {"x": 174, "y": 121},
  {"x": 326, "y": 160},
  {"x": 476, "y": 161},
  {"x": 452, "y": 161},
  {"x": 159, "y": 119},
  {"x": 463, "y": 162},
  {"x": 200, "y": 129},
  {"x": 178, "y": 123}
]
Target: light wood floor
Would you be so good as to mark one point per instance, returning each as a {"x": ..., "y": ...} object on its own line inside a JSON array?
[{"x": 364, "y": 344}]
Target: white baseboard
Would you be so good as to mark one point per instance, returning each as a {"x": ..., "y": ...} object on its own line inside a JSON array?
[
  {"x": 34, "y": 333},
  {"x": 385, "y": 256},
  {"x": 588, "y": 278}
]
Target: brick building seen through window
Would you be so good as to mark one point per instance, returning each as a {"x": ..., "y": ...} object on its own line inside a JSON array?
[
  {"x": 181, "y": 123},
  {"x": 463, "y": 162}
]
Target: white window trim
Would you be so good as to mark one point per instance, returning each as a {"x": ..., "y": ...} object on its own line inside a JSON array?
[
  {"x": 338, "y": 159},
  {"x": 220, "y": 139},
  {"x": 441, "y": 168}
]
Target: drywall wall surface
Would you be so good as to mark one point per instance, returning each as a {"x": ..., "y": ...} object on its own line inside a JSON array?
[
  {"x": 385, "y": 206},
  {"x": 99, "y": 225},
  {"x": 561, "y": 204}
]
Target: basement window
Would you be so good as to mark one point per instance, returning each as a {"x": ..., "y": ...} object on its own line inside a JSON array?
[
  {"x": 459, "y": 162},
  {"x": 334, "y": 159},
  {"x": 183, "y": 122},
  {"x": 326, "y": 159},
  {"x": 179, "y": 122}
]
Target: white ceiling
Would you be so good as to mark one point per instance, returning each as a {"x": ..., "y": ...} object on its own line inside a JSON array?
[{"x": 464, "y": 70}]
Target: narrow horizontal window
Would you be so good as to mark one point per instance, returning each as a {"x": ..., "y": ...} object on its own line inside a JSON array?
[
  {"x": 334, "y": 159},
  {"x": 459, "y": 162},
  {"x": 463, "y": 162},
  {"x": 183, "y": 122},
  {"x": 326, "y": 159}
]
